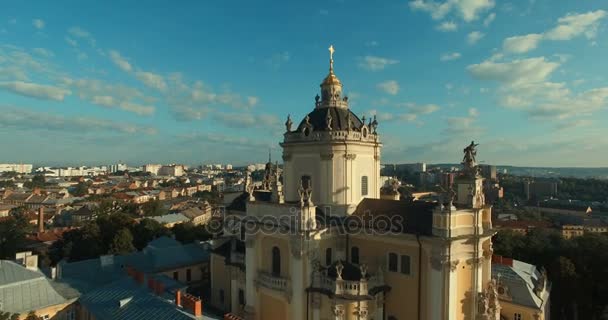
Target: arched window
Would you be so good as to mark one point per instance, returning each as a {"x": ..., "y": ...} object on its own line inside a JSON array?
[
  {"x": 393, "y": 262},
  {"x": 363, "y": 185},
  {"x": 276, "y": 261},
  {"x": 354, "y": 255},
  {"x": 306, "y": 181},
  {"x": 328, "y": 256}
]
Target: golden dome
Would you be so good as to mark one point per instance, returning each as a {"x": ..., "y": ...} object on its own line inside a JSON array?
[{"x": 331, "y": 79}]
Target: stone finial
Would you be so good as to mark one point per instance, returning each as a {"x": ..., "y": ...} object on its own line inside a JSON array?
[
  {"x": 339, "y": 269},
  {"x": 348, "y": 122},
  {"x": 288, "y": 123},
  {"x": 363, "y": 269},
  {"x": 363, "y": 120},
  {"x": 374, "y": 124}
]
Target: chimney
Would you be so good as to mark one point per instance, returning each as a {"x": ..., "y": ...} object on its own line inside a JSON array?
[
  {"x": 178, "y": 298},
  {"x": 41, "y": 220},
  {"x": 159, "y": 288},
  {"x": 193, "y": 305},
  {"x": 151, "y": 283}
]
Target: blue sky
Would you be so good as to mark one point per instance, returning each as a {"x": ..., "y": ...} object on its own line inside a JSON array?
[{"x": 213, "y": 81}]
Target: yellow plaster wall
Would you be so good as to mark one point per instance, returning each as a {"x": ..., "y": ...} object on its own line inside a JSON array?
[
  {"x": 221, "y": 281},
  {"x": 463, "y": 291},
  {"x": 508, "y": 311},
  {"x": 58, "y": 311},
  {"x": 272, "y": 308},
  {"x": 402, "y": 300},
  {"x": 267, "y": 243}
]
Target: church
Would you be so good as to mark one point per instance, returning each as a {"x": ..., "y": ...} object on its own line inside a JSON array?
[{"x": 319, "y": 241}]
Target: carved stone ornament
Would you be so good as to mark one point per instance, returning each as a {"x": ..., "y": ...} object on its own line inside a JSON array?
[
  {"x": 288, "y": 123},
  {"x": 339, "y": 268},
  {"x": 327, "y": 156},
  {"x": 438, "y": 263},
  {"x": 350, "y": 156}
]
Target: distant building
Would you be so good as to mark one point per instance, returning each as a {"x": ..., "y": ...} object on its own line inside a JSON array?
[
  {"x": 16, "y": 167},
  {"x": 151, "y": 168},
  {"x": 118, "y": 167},
  {"x": 540, "y": 189},
  {"x": 488, "y": 172},
  {"x": 412, "y": 167},
  {"x": 228, "y": 167},
  {"x": 523, "y": 291},
  {"x": 174, "y": 170}
]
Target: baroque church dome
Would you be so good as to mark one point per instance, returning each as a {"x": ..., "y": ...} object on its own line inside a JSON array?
[{"x": 339, "y": 119}]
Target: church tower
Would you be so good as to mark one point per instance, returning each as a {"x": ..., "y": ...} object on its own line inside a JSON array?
[{"x": 333, "y": 151}]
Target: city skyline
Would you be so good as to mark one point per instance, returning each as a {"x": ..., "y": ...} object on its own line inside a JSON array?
[{"x": 210, "y": 82}]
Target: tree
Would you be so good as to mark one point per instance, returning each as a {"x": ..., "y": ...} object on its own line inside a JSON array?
[
  {"x": 188, "y": 232},
  {"x": 32, "y": 316},
  {"x": 81, "y": 190},
  {"x": 153, "y": 208},
  {"x": 78, "y": 244},
  {"x": 212, "y": 197},
  {"x": 8, "y": 316},
  {"x": 12, "y": 235},
  {"x": 122, "y": 242},
  {"x": 37, "y": 182},
  {"x": 147, "y": 230}
]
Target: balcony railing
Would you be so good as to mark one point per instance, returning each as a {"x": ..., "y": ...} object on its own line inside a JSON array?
[
  {"x": 346, "y": 287},
  {"x": 273, "y": 282}
]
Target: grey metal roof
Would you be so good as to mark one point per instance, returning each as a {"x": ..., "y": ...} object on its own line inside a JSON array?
[
  {"x": 23, "y": 290},
  {"x": 105, "y": 303},
  {"x": 151, "y": 260},
  {"x": 520, "y": 279},
  {"x": 171, "y": 218}
]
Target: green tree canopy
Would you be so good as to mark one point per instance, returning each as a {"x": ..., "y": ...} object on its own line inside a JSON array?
[{"x": 122, "y": 243}]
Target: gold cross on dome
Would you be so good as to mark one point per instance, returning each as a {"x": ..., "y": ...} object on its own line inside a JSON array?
[{"x": 331, "y": 52}]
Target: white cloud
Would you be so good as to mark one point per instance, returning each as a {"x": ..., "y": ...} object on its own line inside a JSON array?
[
  {"x": 372, "y": 43},
  {"x": 390, "y": 86},
  {"x": 450, "y": 56},
  {"x": 44, "y": 52},
  {"x": 247, "y": 120},
  {"x": 279, "y": 59},
  {"x": 71, "y": 42},
  {"x": 573, "y": 25},
  {"x": 34, "y": 90},
  {"x": 120, "y": 61},
  {"x": 514, "y": 72},
  {"x": 38, "y": 23},
  {"x": 488, "y": 20},
  {"x": 422, "y": 109},
  {"x": 136, "y": 108},
  {"x": 468, "y": 10},
  {"x": 568, "y": 27},
  {"x": 79, "y": 32},
  {"x": 522, "y": 44},
  {"x": 473, "y": 112},
  {"x": 252, "y": 101},
  {"x": 374, "y": 63},
  {"x": 30, "y": 120},
  {"x": 474, "y": 36},
  {"x": 110, "y": 95},
  {"x": 152, "y": 80},
  {"x": 447, "y": 26}
]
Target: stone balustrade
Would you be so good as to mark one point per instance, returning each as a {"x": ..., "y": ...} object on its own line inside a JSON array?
[{"x": 270, "y": 281}]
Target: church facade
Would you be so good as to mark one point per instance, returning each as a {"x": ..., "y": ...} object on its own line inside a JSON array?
[{"x": 318, "y": 241}]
